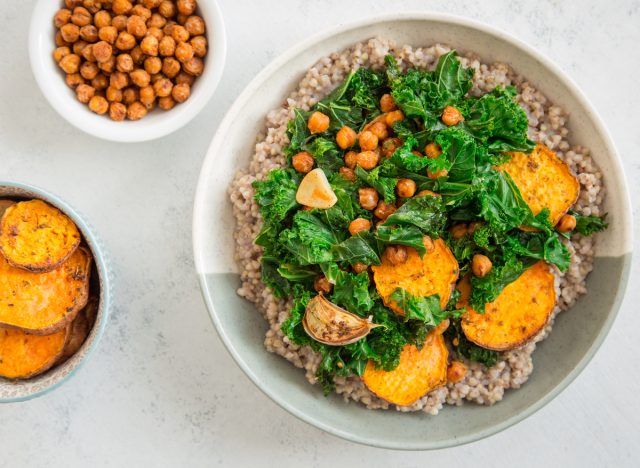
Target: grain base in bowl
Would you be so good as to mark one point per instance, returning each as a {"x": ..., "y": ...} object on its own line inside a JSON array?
[{"x": 547, "y": 125}]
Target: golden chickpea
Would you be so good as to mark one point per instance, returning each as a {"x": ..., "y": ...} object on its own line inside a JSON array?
[
  {"x": 163, "y": 87},
  {"x": 155, "y": 32},
  {"x": 89, "y": 71},
  {"x": 384, "y": 210},
  {"x": 456, "y": 372},
  {"x": 181, "y": 92},
  {"x": 424, "y": 193},
  {"x": 151, "y": 3},
  {"x": 167, "y": 46},
  {"x": 166, "y": 103},
  {"x": 109, "y": 66},
  {"x": 84, "y": 93},
  {"x": 147, "y": 95},
  {"x": 458, "y": 231},
  {"x": 368, "y": 198},
  {"x": 168, "y": 28},
  {"x": 347, "y": 174},
  {"x": 351, "y": 159},
  {"x": 70, "y": 32},
  {"x": 567, "y": 223},
  {"x": 152, "y": 65},
  {"x": 396, "y": 254},
  {"x": 87, "y": 53},
  {"x": 119, "y": 22},
  {"x": 322, "y": 285},
  {"x": 157, "y": 77},
  {"x": 186, "y": 7},
  {"x": 368, "y": 141},
  {"x": 432, "y": 150},
  {"x": 380, "y": 130},
  {"x": 302, "y": 162},
  {"x": 70, "y": 63},
  {"x": 100, "y": 82},
  {"x": 389, "y": 146},
  {"x": 136, "y": 111},
  {"x": 72, "y": 3},
  {"x": 451, "y": 116},
  {"x": 481, "y": 265},
  {"x": 359, "y": 267},
  {"x": 62, "y": 17},
  {"x": 194, "y": 67},
  {"x": 102, "y": 51},
  {"x": 170, "y": 67},
  {"x": 81, "y": 17},
  {"x": 393, "y": 117},
  {"x": 119, "y": 80},
  {"x": 93, "y": 5},
  {"x": 99, "y": 105},
  {"x": 108, "y": 34},
  {"x": 79, "y": 46},
  {"x": 184, "y": 52},
  {"x": 185, "y": 78},
  {"x": 102, "y": 19},
  {"x": 130, "y": 95},
  {"x": 125, "y": 41},
  {"x": 113, "y": 95},
  {"x": 367, "y": 159},
  {"x": 387, "y": 104},
  {"x": 195, "y": 25},
  {"x": 359, "y": 225},
  {"x": 136, "y": 26},
  {"x": 179, "y": 33},
  {"x": 167, "y": 9},
  {"x": 137, "y": 55},
  {"x": 60, "y": 53},
  {"x": 149, "y": 46},
  {"x": 121, "y": 7},
  {"x": 140, "y": 78},
  {"x": 434, "y": 175},
  {"x": 124, "y": 63},
  {"x": 141, "y": 11},
  {"x": 346, "y": 137},
  {"x": 60, "y": 42},
  {"x": 405, "y": 188},
  {"x": 156, "y": 21},
  {"x": 199, "y": 44},
  {"x": 89, "y": 33},
  {"x": 74, "y": 79},
  {"x": 317, "y": 122}
]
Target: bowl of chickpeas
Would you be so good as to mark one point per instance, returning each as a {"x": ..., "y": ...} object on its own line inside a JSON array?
[{"x": 127, "y": 70}]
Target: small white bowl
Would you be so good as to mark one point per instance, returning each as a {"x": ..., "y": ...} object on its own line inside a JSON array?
[{"x": 156, "y": 124}]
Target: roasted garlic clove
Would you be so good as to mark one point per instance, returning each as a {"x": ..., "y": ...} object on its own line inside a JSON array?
[
  {"x": 329, "y": 324},
  {"x": 315, "y": 191}
]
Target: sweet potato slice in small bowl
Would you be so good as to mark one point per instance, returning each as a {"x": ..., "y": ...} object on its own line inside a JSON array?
[
  {"x": 37, "y": 236},
  {"x": 79, "y": 329},
  {"x": 544, "y": 180},
  {"x": 419, "y": 372},
  {"x": 521, "y": 310},
  {"x": 44, "y": 303},
  {"x": 23, "y": 355},
  {"x": 435, "y": 273}
]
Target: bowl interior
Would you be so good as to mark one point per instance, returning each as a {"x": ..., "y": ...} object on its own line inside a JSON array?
[
  {"x": 577, "y": 333},
  {"x": 156, "y": 124},
  {"x": 27, "y": 389}
]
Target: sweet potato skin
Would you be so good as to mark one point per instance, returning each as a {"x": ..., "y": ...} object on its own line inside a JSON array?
[
  {"x": 23, "y": 356},
  {"x": 419, "y": 372},
  {"x": 44, "y": 303},
  {"x": 544, "y": 180},
  {"x": 518, "y": 314},
  {"x": 79, "y": 329},
  {"x": 4, "y": 204},
  {"x": 435, "y": 273},
  {"x": 37, "y": 236}
]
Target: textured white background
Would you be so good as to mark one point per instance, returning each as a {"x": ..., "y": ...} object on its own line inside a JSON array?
[{"x": 161, "y": 390}]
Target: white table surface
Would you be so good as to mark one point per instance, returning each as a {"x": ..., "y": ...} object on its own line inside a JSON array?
[{"x": 161, "y": 390}]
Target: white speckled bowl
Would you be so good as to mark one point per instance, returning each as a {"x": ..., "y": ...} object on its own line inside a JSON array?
[
  {"x": 20, "y": 390},
  {"x": 156, "y": 124},
  {"x": 577, "y": 334}
]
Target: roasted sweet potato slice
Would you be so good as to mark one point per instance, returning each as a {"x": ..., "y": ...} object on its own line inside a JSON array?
[
  {"x": 419, "y": 372},
  {"x": 544, "y": 180},
  {"x": 435, "y": 273},
  {"x": 23, "y": 355},
  {"x": 36, "y": 236},
  {"x": 79, "y": 329},
  {"x": 521, "y": 310},
  {"x": 44, "y": 303}
]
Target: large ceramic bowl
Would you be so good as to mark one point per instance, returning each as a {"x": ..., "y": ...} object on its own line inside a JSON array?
[
  {"x": 577, "y": 334},
  {"x": 20, "y": 390}
]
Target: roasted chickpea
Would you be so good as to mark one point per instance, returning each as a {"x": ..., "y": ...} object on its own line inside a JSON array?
[
  {"x": 147, "y": 95},
  {"x": 72, "y": 3},
  {"x": 89, "y": 33},
  {"x": 458, "y": 231},
  {"x": 121, "y": 7},
  {"x": 119, "y": 80},
  {"x": 166, "y": 103},
  {"x": 87, "y": 53},
  {"x": 351, "y": 159},
  {"x": 136, "y": 111},
  {"x": 167, "y": 9},
  {"x": 396, "y": 254},
  {"x": 317, "y": 122},
  {"x": 109, "y": 66},
  {"x": 347, "y": 174},
  {"x": 433, "y": 175},
  {"x": 170, "y": 67},
  {"x": 567, "y": 223},
  {"x": 184, "y": 77},
  {"x": 157, "y": 77},
  {"x": 195, "y": 66},
  {"x": 130, "y": 95},
  {"x": 179, "y": 33},
  {"x": 168, "y": 27},
  {"x": 136, "y": 26},
  {"x": 346, "y": 138},
  {"x": 155, "y": 32},
  {"x": 74, "y": 79},
  {"x": 184, "y": 52},
  {"x": 405, "y": 188},
  {"x": 84, "y": 93},
  {"x": 141, "y": 11},
  {"x": 390, "y": 145},
  {"x": 60, "y": 53},
  {"x": 368, "y": 198},
  {"x": 102, "y": 19},
  {"x": 393, "y": 117},
  {"x": 152, "y": 65},
  {"x": 89, "y": 71},
  {"x": 380, "y": 130},
  {"x": 432, "y": 150},
  {"x": 99, "y": 105},
  {"x": 424, "y": 193},
  {"x": 119, "y": 22},
  {"x": 456, "y": 371},
  {"x": 140, "y": 78},
  {"x": 79, "y": 46},
  {"x": 70, "y": 32},
  {"x": 92, "y": 5},
  {"x": 384, "y": 210},
  {"x": 367, "y": 159},
  {"x": 387, "y": 104},
  {"x": 137, "y": 55},
  {"x": 368, "y": 141},
  {"x": 62, "y": 17},
  {"x": 199, "y": 44},
  {"x": 167, "y": 46},
  {"x": 181, "y": 92},
  {"x": 481, "y": 265},
  {"x": 359, "y": 225},
  {"x": 113, "y": 95},
  {"x": 125, "y": 41},
  {"x": 302, "y": 162},
  {"x": 149, "y": 46},
  {"x": 100, "y": 82},
  {"x": 359, "y": 267},
  {"x": 81, "y": 17},
  {"x": 102, "y": 51},
  {"x": 60, "y": 42},
  {"x": 124, "y": 63},
  {"x": 322, "y": 285},
  {"x": 156, "y": 21},
  {"x": 151, "y": 3},
  {"x": 70, "y": 63},
  {"x": 451, "y": 116},
  {"x": 195, "y": 25},
  {"x": 181, "y": 19},
  {"x": 186, "y": 7},
  {"x": 108, "y": 34}
]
